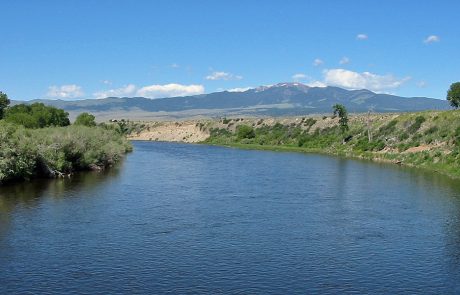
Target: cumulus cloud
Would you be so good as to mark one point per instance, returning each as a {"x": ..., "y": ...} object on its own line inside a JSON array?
[
  {"x": 345, "y": 60},
  {"x": 299, "y": 77},
  {"x": 223, "y": 76},
  {"x": 151, "y": 91},
  {"x": 107, "y": 82},
  {"x": 361, "y": 37},
  {"x": 127, "y": 90},
  {"x": 317, "y": 62},
  {"x": 65, "y": 91},
  {"x": 431, "y": 39},
  {"x": 366, "y": 80},
  {"x": 170, "y": 90}
]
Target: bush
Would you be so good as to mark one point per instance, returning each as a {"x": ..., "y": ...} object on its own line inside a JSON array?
[
  {"x": 364, "y": 145},
  {"x": 226, "y": 121},
  {"x": 245, "y": 131},
  {"x": 309, "y": 122},
  {"x": 25, "y": 153},
  {"x": 85, "y": 119},
  {"x": 403, "y": 136},
  {"x": 416, "y": 125},
  {"x": 431, "y": 130},
  {"x": 389, "y": 128}
]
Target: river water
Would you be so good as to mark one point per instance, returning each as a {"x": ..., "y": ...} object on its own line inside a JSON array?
[{"x": 187, "y": 219}]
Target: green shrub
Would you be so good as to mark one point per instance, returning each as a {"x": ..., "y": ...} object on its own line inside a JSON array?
[
  {"x": 403, "y": 136},
  {"x": 245, "y": 131},
  {"x": 25, "y": 152},
  {"x": 364, "y": 145},
  {"x": 416, "y": 125},
  {"x": 309, "y": 122},
  {"x": 457, "y": 136},
  {"x": 218, "y": 132},
  {"x": 431, "y": 130},
  {"x": 389, "y": 128},
  {"x": 85, "y": 119}
]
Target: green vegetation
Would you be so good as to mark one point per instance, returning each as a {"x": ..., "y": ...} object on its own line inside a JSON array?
[
  {"x": 453, "y": 95},
  {"x": 35, "y": 140},
  {"x": 341, "y": 111},
  {"x": 52, "y": 152},
  {"x": 427, "y": 139},
  {"x": 85, "y": 119},
  {"x": 244, "y": 131},
  {"x": 36, "y": 115},
  {"x": 4, "y": 102}
]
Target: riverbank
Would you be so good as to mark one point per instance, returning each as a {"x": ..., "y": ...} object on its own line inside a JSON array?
[
  {"x": 428, "y": 140},
  {"x": 57, "y": 151}
]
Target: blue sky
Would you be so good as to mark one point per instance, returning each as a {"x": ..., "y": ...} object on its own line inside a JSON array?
[{"x": 90, "y": 49}]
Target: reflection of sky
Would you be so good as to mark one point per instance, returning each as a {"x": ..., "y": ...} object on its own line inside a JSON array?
[{"x": 194, "y": 213}]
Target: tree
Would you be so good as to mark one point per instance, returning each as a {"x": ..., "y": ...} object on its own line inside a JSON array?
[
  {"x": 85, "y": 119},
  {"x": 341, "y": 111},
  {"x": 37, "y": 115},
  {"x": 453, "y": 95},
  {"x": 4, "y": 102}
]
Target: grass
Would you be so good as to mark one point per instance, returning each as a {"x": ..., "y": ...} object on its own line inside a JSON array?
[{"x": 428, "y": 140}]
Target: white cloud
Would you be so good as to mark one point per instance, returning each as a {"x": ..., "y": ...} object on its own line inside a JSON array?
[
  {"x": 223, "y": 76},
  {"x": 169, "y": 90},
  {"x": 431, "y": 39},
  {"x": 366, "y": 80},
  {"x": 107, "y": 82},
  {"x": 317, "y": 62},
  {"x": 345, "y": 60},
  {"x": 298, "y": 77},
  {"x": 175, "y": 66},
  {"x": 361, "y": 37},
  {"x": 422, "y": 84},
  {"x": 127, "y": 90},
  {"x": 65, "y": 91},
  {"x": 151, "y": 91}
]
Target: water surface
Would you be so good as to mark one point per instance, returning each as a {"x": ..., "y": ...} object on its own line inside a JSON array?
[{"x": 188, "y": 219}]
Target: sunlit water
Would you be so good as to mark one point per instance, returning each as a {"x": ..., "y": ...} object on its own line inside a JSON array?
[{"x": 189, "y": 219}]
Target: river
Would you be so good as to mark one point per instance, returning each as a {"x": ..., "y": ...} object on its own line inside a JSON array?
[{"x": 187, "y": 219}]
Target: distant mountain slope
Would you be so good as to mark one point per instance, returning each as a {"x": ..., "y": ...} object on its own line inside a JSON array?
[{"x": 279, "y": 99}]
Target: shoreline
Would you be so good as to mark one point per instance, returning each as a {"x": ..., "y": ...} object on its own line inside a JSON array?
[
  {"x": 293, "y": 149},
  {"x": 288, "y": 149},
  {"x": 428, "y": 140}
]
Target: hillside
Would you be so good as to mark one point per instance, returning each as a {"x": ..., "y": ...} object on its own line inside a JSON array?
[
  {"x": 429, "y": 139},
  {"x": 278, "y": 100}
]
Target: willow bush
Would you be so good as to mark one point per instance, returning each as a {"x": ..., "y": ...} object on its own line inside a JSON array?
[{"x": 24, "y": 153}]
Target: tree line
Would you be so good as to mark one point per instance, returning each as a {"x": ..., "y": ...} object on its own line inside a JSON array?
[{"x": 39, "y": 115}]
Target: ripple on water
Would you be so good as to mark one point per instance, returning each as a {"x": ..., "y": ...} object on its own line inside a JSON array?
[{"x": 197, "y": 219}]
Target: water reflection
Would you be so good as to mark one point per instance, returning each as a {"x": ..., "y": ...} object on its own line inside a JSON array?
[
  {"x": 28, "y": 195},
  {"x": 196, "y": 219}
]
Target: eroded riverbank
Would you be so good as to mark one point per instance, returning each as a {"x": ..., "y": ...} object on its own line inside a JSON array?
[{"x": 428, "y": 140}]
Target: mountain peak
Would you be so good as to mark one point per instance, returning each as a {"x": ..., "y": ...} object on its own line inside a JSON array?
[
  {"x": 287, "y": 85},
  {"x": 280, "y": 99}
]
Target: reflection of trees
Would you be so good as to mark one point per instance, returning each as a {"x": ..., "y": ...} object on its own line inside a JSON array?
[{"x": 31, "y": 194}]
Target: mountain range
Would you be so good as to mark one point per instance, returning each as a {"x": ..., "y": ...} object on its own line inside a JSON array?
[{"x": 276, "y": 100}]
